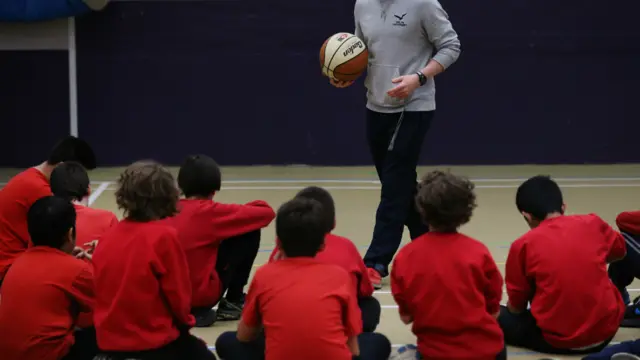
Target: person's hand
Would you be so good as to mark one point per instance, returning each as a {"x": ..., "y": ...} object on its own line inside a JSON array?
[
  {"x": 405, "y": 85},
  {"x": 91, "y": 246},
  {"x": 339, "y": 83},
  {"x": 84, "y": 255},
  {"x": 77, "y": 251}
]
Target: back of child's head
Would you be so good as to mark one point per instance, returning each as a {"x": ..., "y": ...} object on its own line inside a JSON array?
[
  {"x": 51, "y": 220},
  {"x": 73, "y": 149},
  {"x": 300, "y": 227},
  {"x": 539, "y": 196},
  {"x": 445, "y": 201},
  {"x": 147, "y": 191},
  {"x": 70, "y": 181},
  {"x": 325, "y": 199},
  {"x": 199, "y": 176}
]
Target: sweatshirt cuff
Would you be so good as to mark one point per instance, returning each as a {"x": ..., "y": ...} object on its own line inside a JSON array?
[{"x": 446, "y": 57}]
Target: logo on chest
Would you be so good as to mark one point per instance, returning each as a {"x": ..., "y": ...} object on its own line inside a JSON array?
[{"x": 400, "y": 20}]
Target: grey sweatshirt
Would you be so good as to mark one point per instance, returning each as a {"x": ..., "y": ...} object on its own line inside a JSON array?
[{"x": 402, "y": 36}]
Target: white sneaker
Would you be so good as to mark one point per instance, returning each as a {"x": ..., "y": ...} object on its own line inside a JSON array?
[{"x": 624, "y": 356}]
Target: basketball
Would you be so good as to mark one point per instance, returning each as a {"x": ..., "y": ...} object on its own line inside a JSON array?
[{"x": 343, "y": 57}]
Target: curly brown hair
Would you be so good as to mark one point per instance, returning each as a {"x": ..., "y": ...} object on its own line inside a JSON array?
[
  {"x": 147, "y": 191},
  {"x": 445, "y": 201}
]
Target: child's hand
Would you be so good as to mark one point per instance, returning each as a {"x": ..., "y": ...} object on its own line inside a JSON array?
[
  {"x": 91, "y": 246},
  {"x": 77, "y": 251}
]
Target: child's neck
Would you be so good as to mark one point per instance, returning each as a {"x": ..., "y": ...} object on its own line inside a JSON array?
[
  {"x": 45, "y": 168},
  {"x": 553, "y": 215},
  {"x": 210, "y": 197},
  {"x": 442, "y": 231},
  {"x": 83, "y": 202}
]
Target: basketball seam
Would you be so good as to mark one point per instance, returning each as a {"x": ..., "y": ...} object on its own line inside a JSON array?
[
  {"x": 336, "y": 51},
  {"x": 356, "y": 55}
]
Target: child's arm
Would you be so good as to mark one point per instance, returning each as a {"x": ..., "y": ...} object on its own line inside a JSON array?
[
  {"x": 173, "y": 274},
  {"x": 352, "y": 316},
  {"x": 233, "y": 219},
  {"x": 398, "y": 292},
  {"x": 519, "y": 289},
  {"x": 250, "y": 324},
  {"x": 629, "y": 222},
  {"x": 364, "y": 285},
  {"x": 82, "y": 289},
  {"x": 493, "y": 290}
]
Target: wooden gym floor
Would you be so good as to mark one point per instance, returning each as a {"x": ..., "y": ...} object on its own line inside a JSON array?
[{"x": 605, "y": 190}]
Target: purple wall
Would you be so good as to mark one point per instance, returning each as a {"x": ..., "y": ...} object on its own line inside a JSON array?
[{"x": 539, "y": 81}]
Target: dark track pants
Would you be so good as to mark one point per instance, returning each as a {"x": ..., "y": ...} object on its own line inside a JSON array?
[
  {"x": 395, "y": 141},
  {"x": 373, "y": 346},
  {"x": 624, "y": 271}
]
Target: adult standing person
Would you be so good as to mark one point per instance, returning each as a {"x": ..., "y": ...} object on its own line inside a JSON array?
[{"x": 409, "y": 43}]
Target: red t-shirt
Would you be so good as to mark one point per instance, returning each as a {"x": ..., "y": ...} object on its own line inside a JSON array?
[
  {"x": 143, "y": 292},
  {"x": 308, "y": 309},
  {"x": 451, "y": 287},
  {"x": 92, "y": 223},
  {"x": 15, "y": 200},
  {"x": 42, "y": 294},
  {"x": 340, "y": 251},
  {"x": 561, "y": 268},
  {"x": 202, "y": 225},
  {"x": 629, "y": 221}
]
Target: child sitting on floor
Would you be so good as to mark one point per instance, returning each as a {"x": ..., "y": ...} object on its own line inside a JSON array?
[
  {"x": 447, "y": 284},
  {"x": 341, "y": 251},
  {"x": 559, "y": 267},
  {"x": 143, "y": 291},
  {"x": 623, "y": 272},
  {"x": 307, "y": 309},
  {"x": 46, "y": 289},
  {"x": 70, "y": 181},
  {"x": 27, "y": 187},
  {"x": 220, "y": 241}
]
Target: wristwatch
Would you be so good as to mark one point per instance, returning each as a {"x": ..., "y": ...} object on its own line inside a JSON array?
[{"x": 421, "y": 78}]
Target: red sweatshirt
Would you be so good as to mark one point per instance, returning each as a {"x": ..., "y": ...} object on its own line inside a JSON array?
[
  {"x": 341, "y": 251},
  {"x": 15, "y": 200},
  {"x": 561, "y": 268},
  {"x": 41, "y": 296},
  {"x": 92, "y": 223},
  {"x": 629, "y": 222},
  {"x": 143, "y": 292},
  {"x": 451, "y": 287},
  {"x": 202, "y": 225}
]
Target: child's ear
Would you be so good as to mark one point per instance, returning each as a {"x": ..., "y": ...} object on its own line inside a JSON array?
[
  {"x": 564, "y": 208},
  {"x": 527, "y": 217},
  {"x": 89, "y": 190}
]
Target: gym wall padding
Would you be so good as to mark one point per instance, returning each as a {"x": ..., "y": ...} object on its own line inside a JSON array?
[
  {"x": 539, "y": 81},
  {"x": 34, "y": 90}
]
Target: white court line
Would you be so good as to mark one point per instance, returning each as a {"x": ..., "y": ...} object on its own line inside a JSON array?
[
  {"x": 95, "y": 194},
  {"x": 381, "y": 292},
  {"x": 375, "y": 181},
  {"x": 585, "y": 186},
  {"x": 378, "y": 187}
]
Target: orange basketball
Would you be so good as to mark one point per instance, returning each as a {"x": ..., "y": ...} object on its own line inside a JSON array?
[{"x": 344, "y": 57}]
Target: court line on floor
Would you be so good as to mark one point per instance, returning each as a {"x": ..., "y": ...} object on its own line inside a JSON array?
[
  {"x": 376, "y": 181},
  {"x": 381, "y": 292},
  {"x": 95, "y": 194},
  {"x": 256, "y": 188}
]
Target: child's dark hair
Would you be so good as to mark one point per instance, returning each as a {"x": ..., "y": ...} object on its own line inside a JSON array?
[
  {"x": 147, "y": 191},
  {"x": 325, "y": 199},
  {"x": 49, "y": 220},
  {"x": 70, "y": 181},
  {"x": 445, "y": 201},
  {"x": 539, "y": 196},
  {"x": 199, "y": 176},
  {"x": 73, "y": 149},
  {"x": 300, "y": 227}
]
